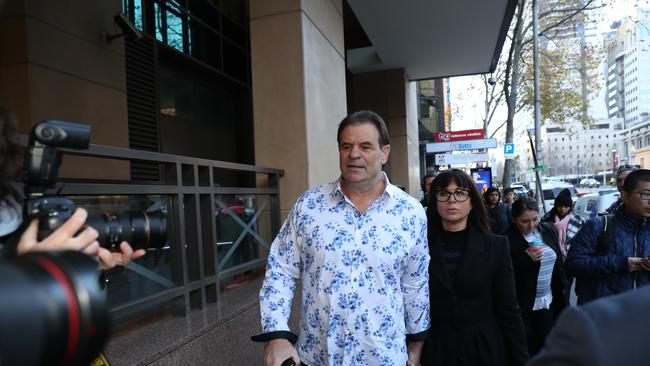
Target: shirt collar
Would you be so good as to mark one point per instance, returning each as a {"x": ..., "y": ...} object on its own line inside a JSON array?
[{"x": 390, "y": 190}]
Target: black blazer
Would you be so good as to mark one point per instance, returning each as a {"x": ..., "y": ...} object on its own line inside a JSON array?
[
  {"x": 476, "y": 320},
  {"x": 526, "y": 271}
]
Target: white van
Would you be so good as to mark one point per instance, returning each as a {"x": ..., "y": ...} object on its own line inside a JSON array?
[
  {"x": 590, "y": 205},
  {"x": 550, "y": 190}
]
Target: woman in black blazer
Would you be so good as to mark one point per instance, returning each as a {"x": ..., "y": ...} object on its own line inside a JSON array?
[
  {"x": 534, "y": 246},
  {"x": 475, "y": 319}
]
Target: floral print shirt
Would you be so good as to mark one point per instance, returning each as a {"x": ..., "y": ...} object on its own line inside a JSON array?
[{"x": 364, "y": 277}]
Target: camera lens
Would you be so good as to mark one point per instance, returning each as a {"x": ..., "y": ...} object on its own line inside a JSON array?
[
  {"x": 139, "y": 228},
  {"x": 53, "y": 311}
]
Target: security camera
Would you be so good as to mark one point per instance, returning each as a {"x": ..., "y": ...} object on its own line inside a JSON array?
[
  {"x": 128, "y": 29},
  {"x": 492, "y": 80}
]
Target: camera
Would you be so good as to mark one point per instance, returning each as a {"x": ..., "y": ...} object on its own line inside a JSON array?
[
  {"x": 53, "y": 310},
  {"x": 43, "y": 159}
]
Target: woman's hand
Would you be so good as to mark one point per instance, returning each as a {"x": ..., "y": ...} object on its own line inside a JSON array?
[
  {"x": 65, "y": 238},
  {"x": 108, "y": 259},
  {"x": 62, "y": 238},
  {"x": 535, "y": 252}
]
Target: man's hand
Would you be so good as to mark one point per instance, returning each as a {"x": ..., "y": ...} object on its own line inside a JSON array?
[
  {"x": 64, "y": 238},
  {"x": 634, "y": 264},
  {"x": 414, "y": 353},
  {"x": 277, "y": 351},
  {"x": 645, "y": 263}
]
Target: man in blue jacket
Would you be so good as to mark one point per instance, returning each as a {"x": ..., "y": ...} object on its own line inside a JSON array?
[{"x": 622, "y": 262}]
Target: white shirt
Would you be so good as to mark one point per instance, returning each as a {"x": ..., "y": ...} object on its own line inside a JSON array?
[{"x": 364, "y": 277}]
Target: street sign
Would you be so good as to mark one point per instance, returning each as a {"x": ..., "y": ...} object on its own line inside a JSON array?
[
  {"x": 542, "y": 167},
  {"x": 509, "y": 151},
  {"x": 436, "y": 147},
  {"x": 459, "y": 135},
  {"x": 458, "y": 159}
]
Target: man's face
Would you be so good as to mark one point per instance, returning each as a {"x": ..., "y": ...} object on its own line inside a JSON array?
[
  {"x": 360, "y": 157},
  {"x": 427, "y": 184},
  {"x": 620, "y": 179},
  {"x": 493, "y": 198},
  {"x": 510, "y": 197},
  {"x": 634, "y": 202}
]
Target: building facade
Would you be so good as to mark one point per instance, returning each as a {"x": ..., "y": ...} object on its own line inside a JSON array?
[{"x": 628, "y": 85}]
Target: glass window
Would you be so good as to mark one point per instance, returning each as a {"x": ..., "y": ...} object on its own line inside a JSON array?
[
  {"x": 174, "y": 30},
  {"x": 159, "y": 22}
]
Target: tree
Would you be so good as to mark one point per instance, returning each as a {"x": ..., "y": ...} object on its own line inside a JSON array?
[{"x": 562, "y": 65}]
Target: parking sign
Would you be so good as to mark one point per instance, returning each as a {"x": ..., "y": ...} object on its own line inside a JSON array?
[{"x": 509, "y": 151}]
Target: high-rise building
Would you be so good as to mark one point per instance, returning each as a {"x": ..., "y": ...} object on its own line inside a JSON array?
[
  {"x": 628, "y": 69},
  {"x": 628, "y": 84}
]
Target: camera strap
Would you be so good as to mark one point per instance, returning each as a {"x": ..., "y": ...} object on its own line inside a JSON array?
[{"x": 101, "y": 360}]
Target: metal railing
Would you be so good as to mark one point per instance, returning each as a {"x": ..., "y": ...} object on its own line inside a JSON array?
[{"x": 215, "y": 232}]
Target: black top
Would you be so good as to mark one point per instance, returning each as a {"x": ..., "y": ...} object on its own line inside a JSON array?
[
  {"x": 452, "y": 245},
  {"x": 475, "y": 320}
]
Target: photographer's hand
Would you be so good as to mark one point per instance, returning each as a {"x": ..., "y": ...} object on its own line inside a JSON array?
[
  {"x": 62, "y": 238},
  {"x": 108, "y": 259}
]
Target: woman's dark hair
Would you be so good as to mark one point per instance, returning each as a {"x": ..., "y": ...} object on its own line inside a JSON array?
[
  {"x": 486, "y": 195},
  {"x": 9, "y": 151},
  {"x": 361, "y": 117},
  {"x": 477, "y": 216},
  {"x": 522, "y": 205}
]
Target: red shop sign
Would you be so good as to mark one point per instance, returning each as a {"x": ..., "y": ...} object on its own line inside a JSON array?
[{"x": 459, "y": 135}]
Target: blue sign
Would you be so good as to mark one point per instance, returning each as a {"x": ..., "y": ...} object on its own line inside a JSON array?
[{"x": 508, "y": 148}]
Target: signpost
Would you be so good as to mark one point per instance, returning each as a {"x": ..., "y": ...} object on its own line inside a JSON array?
[
  {"x": 438, "y": 147},
  {"x": 458, "y": 159},
  {"x": 509, "y": 151}
]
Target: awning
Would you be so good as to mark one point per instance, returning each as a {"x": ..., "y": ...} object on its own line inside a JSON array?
[{"x": 431, "y": 38}]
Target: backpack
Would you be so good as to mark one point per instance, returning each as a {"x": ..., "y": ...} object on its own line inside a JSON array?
[{"x": 605, "y": 234}]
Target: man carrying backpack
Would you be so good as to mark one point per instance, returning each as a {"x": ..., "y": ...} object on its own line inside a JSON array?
[{"x": 611, "y": 254}]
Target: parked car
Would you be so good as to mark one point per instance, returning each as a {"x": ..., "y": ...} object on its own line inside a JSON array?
[
  {"x": 550, "y": 190},
  {"x": 589, "y": 183},
  {"x": 520, "y": 189},
  {"x": 590, "y": 205}
]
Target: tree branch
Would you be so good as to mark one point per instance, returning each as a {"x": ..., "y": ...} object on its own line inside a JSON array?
[
  {"x": 498, "y": 128},
  {"x": 574, "y": 12}
]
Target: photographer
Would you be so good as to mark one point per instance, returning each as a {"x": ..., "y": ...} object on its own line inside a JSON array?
[{"x": 64, "y": 237}]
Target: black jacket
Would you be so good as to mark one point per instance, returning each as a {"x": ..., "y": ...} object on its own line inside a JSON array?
[
  {"x": 526, "y": 271},
  {"x": 499, "y": 217},
  {"x": 476, "y": 320}
]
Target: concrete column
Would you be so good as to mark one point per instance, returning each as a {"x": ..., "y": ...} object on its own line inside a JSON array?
[
  {"x": 394, "y": 97},
  {"x": 298, "y": 80}
]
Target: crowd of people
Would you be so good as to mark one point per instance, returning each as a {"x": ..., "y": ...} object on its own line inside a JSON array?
[{"x": 482, "y": 279}]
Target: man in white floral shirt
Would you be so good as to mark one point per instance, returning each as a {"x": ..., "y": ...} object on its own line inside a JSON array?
[{"x": 359, "y": 247}]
